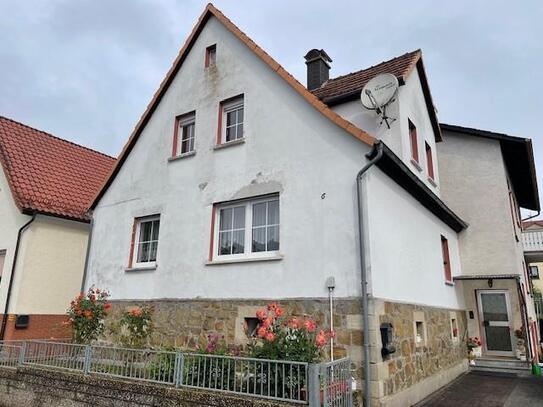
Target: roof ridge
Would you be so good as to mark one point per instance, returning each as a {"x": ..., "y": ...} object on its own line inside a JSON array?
[
  {"x": 418, "y": 50},
  {"x": 56, "y": 137}
]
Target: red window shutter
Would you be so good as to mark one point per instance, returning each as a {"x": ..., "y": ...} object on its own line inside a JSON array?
[
  {"x": 212, "y": 233},
  {"x": 446, "y": 259},
  {"x": 132, "y": 243},
  {"x": 429, "y": 161},
  {"x": 414, "y": 141},
  {"x": 219, "y": 126}
]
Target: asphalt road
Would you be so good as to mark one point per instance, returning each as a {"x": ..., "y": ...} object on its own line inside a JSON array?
[{"x": 480, "y": 389}]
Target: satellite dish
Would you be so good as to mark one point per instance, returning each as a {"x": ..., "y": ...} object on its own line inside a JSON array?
[{"x": 378, "y": 93}]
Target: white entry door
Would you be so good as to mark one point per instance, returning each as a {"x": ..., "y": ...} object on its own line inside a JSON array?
[{"x": 495, "y": 319}]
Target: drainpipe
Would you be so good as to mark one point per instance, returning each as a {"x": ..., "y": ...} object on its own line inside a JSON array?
[
  {"x": 12, "y": 275},
  {"x": 365, "y": 317},
  {"x": 84, "y": 278}
]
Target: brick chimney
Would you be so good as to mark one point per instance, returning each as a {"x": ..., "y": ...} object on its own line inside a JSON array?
[{"x": 318, "y": 68}]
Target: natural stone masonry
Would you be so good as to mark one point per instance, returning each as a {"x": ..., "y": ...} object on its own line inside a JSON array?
[
  {"x": 43, "y": 388},
  {"x": 412, "y": 362}
]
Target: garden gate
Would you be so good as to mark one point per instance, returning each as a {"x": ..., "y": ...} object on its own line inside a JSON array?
[{"x": 336, "y": 382}]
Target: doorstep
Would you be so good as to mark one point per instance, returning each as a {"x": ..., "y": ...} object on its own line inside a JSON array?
[{"x": 499, "y": 364}]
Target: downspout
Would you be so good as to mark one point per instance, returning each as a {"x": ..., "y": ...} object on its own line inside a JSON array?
[
  {"x": 525, "y": 322},
  {"x": 12, "y": 274},
  {"x": 365, "y": 317},
  {"x": 87, "y": 254}
]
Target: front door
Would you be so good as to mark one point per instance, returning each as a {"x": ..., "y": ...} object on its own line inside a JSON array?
[{"x": 495, "y": 317}]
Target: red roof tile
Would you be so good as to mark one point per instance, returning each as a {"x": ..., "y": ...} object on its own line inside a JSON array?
[
  {"x": 354, "y": 82},
  {"x": 50, "y": 175}
]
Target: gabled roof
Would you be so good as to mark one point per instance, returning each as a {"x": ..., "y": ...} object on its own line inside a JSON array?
[
  {"x": 348, "y": 87},
  {"x": 518, "y": 156},
  {"x": 49, "y": 175},
  {"x": 211, "y": 11}
]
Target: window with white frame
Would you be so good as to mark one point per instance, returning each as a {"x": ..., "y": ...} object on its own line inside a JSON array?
[
  {"x": 185, "y": 133},
  {"x": 146, "y": 241},
  {"x": 248, "y": 228},
  {"x": 232, "y": 114}
]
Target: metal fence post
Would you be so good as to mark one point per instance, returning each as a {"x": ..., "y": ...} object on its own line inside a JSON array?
[
  {"x": 22, "y": 353},
  {"x": 178, "y": 369},
  {"x": 313, "y": 385},
  {"x": 88, "y": 359}
]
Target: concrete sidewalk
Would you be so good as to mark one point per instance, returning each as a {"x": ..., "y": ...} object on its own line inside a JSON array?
[{"x": 481, "y": 389}]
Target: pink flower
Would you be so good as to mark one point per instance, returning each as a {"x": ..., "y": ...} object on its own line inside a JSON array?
[
  {"x": 267, "y": 322},
  {"x": 320, "y": 340},
  {"x": 279, "y": 312},
  {"x": 272, "y": 306},
  {"x": 270, "y": 336},
  {"x": 333, "y": 334},
  {"x": 310, "y": 325},
  {"x": 294, "y": 323}
]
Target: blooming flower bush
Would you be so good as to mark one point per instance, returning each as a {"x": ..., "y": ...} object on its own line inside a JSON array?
[
  {"x": 136, "y": 326},
  {"x": 86, "y": 315},
  {"x": 473, "y": 343},
  {"x": 280, "y": 337}
]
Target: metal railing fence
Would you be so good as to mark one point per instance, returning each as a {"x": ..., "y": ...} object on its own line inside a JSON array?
[
  {"x": 271, "y": 379},
  {"x": 325, "y": 384}
]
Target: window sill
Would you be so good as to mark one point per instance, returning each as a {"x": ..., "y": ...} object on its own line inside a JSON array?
[
  {"x": 244, "y": 260},
  {"x": 416, "y": 165},
  {"x": 184, "y": 155},
  {"x": 450, "y": 283},
  {"x": 432, "y": 182},
  {"x": 229, "y": 143},
  {"x": 141, "y": 268}
]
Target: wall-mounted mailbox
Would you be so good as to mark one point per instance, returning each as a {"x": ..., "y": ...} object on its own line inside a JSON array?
[
  {"x": 22, "y": 321},
  {"x": 387, "y": 335}
]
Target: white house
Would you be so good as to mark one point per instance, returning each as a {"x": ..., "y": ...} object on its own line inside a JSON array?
[{"x": 239, "y": 185}]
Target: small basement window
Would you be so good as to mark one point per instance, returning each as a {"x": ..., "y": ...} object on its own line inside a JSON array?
[
  {"x": 420, "y": 333},
  {"x": 22, "y": 321},
  {"x": 454, "y": 329},
  {"x": 211, "y": 56},
  {"x": 251, "y": 327}
]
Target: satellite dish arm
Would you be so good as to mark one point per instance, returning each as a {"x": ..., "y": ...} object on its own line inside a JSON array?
[{"x": 373, "y": 101}]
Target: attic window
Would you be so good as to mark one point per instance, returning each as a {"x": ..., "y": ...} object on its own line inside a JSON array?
[
  {"x": 414, "y": 142},
  {"x": 211, "y": 55}
]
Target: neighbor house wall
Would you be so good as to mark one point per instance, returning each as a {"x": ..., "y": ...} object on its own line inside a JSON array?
[
  {"x": 11, "y": 219},
  {"x": 474, "y": 185}
]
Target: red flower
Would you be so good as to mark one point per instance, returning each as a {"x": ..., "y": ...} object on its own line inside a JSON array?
[
  {"x": 107, "y": 306},
  {"x": 261, "y": 314},
  {"x": 270, "y": 336},
  {"x": 267, "y": 322},
  {"x": 279, "y": 312},
  {"x": 261, "y": 332},
  {"x": 272, "y": 306}
]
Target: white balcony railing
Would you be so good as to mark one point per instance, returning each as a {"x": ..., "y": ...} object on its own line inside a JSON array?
[{"x": 532, "y": 241}]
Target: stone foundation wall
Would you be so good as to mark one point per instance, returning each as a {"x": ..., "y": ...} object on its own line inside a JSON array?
[
  {"x": 415, "y": 361},
  {"x": 41, "y": 388},
  {"x": 186, "y": 323}
]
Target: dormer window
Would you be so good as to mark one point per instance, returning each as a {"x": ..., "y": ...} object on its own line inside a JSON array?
[{"x": 211, "y": 55}]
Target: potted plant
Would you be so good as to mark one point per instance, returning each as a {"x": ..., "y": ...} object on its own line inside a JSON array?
[
  {"x": 521, "y": 343},
  {"x": 474, "y": 349}
]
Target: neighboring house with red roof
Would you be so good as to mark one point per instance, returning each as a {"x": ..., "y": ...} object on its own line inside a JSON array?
[
  {"x": 239, "y": 185},
  {"x": 46, "y": 187}
]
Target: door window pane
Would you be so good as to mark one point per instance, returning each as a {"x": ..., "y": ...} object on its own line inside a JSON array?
[
  {"x": 498, "y": 338},
  {"x": 494, "y": 307}
]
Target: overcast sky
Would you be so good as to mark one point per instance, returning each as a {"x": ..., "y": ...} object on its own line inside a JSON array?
[{"x": 85, "y": 70}]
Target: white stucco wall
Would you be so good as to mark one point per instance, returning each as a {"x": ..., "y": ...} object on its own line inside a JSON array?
[
  {"x": 290, "y": 148},
  {"x": 405, "y": 248},
  {"x": 409, "y": 104},
  {"x": 11, "y": 219}
]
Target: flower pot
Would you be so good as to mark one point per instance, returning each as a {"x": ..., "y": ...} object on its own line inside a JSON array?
[{"x": 477, "y": 352}]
